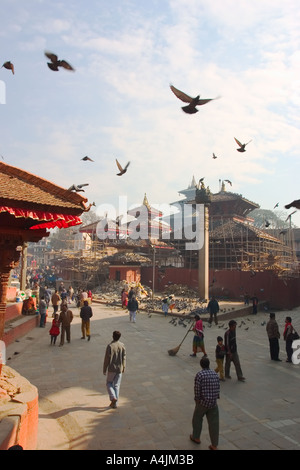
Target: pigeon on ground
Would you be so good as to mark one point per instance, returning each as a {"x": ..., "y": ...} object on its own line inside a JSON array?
[
  {"x": 193, "y": 102},
  {"x": 242, "y": 146},
  {"x": 9, "y": 66},
  {"x": 85, "y": 159},
  {"x": 55, "y": 63},
  {"x": 77, "y": 187},
  {"x": 295, "y": 204},
  {"x": 122, "y": 170}
]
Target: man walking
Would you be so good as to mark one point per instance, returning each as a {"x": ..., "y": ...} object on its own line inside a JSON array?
[
  {"x": 55, "y": 299},
  {"x": 206, "y": 393},
  {"x": 65, "y": 318},
  {"x": 273, "y": 335},
  {"x": 231, "y": 352},
  {"x": 85, "y": 314},
  {"x": 114, "y": 365},
  {"x": 213, "y": 309}
]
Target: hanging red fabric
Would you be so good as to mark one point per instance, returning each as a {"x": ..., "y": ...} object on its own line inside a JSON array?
[{"x": 47, "y": 219}]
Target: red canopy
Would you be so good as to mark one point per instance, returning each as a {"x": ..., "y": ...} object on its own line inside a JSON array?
[{"x": 47, "y": 219}]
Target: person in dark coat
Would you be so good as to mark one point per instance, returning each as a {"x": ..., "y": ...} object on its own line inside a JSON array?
[
  {"x": 86, "y": 314},
  {"x": 213, "y": 309},
  {"x": 273, "y": 335},
  {"x": 231, "y": 352},
  {"x": 133, "y": 307}
]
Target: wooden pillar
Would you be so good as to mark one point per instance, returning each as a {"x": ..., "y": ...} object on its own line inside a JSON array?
[{"x": 24, "y": 267}]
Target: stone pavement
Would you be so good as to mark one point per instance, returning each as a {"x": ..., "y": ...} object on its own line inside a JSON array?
[{"x": 156, "y": 398}]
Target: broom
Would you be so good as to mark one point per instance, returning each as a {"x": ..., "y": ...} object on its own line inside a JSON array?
[{"x": 174, "y": 351}]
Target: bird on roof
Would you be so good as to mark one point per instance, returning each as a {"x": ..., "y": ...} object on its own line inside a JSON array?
[
  {"x": 214, "y": 156},
  {"x": 295, "y": 204},
  {"x": 276, "y": 205},
  {"x": 242, "y": 146},
  {"x": 267, "y": 223},
  {"x": 55, "y": 63},
  {"x": 86, "y": 209},
  {"x": 86, "y": 158},
  {"x": 77, "y": 187},
  {"x": 122, "y": 170},
  {"x": 9, "y": 66},
  {"x": 193, "y": 102},
  {"x": 229, "y": 182}
]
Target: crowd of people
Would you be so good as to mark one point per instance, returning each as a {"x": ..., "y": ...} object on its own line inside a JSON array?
[{"x": 206, "y": 381}]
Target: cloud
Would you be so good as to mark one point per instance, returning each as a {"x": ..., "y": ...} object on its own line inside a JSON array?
[{"x": 118, "y": 103}]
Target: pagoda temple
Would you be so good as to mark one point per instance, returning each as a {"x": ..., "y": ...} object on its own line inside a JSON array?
[{"x": 234, "y": 242}]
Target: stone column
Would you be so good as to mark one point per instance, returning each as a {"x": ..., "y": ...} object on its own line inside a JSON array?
[
  {"x": 203, "y": 196},
  {"x": 203, "y": 260}
]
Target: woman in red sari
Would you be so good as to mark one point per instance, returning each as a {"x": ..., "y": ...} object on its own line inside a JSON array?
[
  {"x": 124, "y": 296},
  {"x": 198, "y": 341}
]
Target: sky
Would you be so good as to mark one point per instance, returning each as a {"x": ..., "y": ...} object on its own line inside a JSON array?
[{"x": 118, "y": 103}]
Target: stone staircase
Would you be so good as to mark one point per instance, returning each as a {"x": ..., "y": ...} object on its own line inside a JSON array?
[{"x": 16, "y": 324}]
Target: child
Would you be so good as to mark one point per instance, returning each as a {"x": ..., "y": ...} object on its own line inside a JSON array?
[
  {"x": 165, "y": 307},
  {"x": 54, "y": 330},
  {"x": 171, "y": 303},
  {"x": 220, "y": 354}
]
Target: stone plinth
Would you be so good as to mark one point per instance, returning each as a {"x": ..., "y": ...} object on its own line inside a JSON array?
[{"x": 18, "y": 411}]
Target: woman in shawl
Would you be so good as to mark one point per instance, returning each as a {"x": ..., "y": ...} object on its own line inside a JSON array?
[
  {"x": 198, "y": 341},
  {"x": 288, "y": 338}
]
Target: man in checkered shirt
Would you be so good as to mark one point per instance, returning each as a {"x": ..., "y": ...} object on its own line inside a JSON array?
[{"x": 207, "y": 391}]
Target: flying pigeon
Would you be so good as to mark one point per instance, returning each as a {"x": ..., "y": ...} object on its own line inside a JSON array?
[
  {"x": 55, "y": 63},
  {"x": 276, "y": 205},
  {"x": 295, "y": 204},
  {"x": 9, "y": 66},
  {"x": 242, "y": 146},
  {"x": 214, "y": 156},
  {"x": 87, "y": 159},
  {"x": 77, "y": 187},
  {"x": 193, "y": 102},
  {"x": 122, "y": 170},
  {"x": 229, "y": 182}
]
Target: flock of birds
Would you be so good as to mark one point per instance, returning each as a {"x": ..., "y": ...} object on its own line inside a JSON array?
[
  {"x": 191, "y": 108},
  {"x": 184, "y": 322},
  {"x": 54, "y": 65}
]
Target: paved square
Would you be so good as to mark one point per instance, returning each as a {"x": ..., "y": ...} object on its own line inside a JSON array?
[{"x": 156, "y": 397}]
